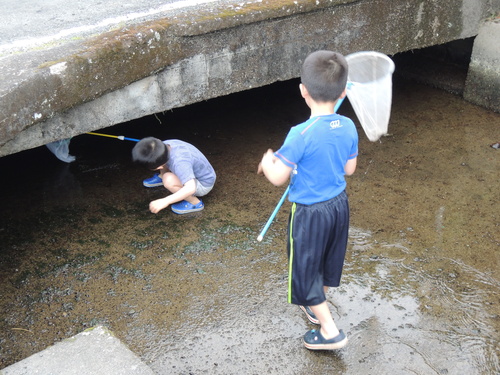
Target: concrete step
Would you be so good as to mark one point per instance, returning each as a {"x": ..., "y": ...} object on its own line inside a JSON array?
[{"x": 95, "y": 351}]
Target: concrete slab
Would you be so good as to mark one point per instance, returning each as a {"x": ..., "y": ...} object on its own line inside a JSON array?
[
  {"x": 115, "y": 61},
  {"x": 482, "y": 86},
  {"x": 95, "y": 351}
]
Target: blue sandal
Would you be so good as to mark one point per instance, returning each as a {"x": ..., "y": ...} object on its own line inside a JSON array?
[
  {"x": 153, "y": 181},
  {"x": 314, "y": 340},
  {"x": 184, "y": 207}
]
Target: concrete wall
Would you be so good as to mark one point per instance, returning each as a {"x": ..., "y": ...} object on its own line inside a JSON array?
[
  {"x": 173, "y": 62},
  {"x": 482, "y": 86}
]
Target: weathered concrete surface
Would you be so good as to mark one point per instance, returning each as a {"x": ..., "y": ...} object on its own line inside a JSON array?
[
  {"x": 203, "y": 52},
  {"x": 482, "y": 86},
  {"x": 95, "y": 351}
]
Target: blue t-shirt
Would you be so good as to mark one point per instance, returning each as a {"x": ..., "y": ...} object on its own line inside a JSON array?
[
  {"x": 318, "y": 150},
  {"x": 187, "y": 162}
]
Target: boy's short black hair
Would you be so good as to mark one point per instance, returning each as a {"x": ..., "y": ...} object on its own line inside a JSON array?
[
  {"x": 324, "y": 74},
  {"x": 151, "y": 152}
]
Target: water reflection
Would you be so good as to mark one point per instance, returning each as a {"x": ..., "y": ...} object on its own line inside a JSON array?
[
  {"x": 400, "y": 315},
  {"x": 442, "y": 318},
  {"x": 62, "y": 186}
]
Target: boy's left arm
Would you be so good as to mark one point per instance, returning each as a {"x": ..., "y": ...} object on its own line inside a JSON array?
[
  {"x": 274, "y": 169},
  {"x": 350, "y": 166}
]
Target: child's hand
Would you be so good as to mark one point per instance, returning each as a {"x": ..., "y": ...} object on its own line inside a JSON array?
[
  {"x": 259, "y": 169},
  {"x": 268, "y": 159},
  {"x": 265, "y": 157},
  {"x": 274, "y": 169},
  {"x": 157, "y": 205}
]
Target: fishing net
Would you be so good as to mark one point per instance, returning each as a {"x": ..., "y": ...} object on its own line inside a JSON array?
[
  {"x": 369, "y": 91},
  {"x": 61, "y": 150}
]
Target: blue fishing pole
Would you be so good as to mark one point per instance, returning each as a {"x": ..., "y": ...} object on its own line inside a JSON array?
[
  {"x": 271, "y": 218},
  {"x": 120, "y": 137}
]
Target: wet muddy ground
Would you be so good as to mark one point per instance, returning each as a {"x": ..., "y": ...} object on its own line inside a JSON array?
[{"x": 197, "y": 294}]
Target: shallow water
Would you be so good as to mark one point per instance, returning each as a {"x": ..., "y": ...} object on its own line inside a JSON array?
[{"x": 197, "y": 294}]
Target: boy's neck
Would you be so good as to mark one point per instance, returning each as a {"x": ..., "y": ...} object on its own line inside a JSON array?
[{"x": 322, "y": 109}]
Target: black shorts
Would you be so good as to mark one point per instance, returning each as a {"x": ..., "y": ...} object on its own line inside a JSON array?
[{"x": 317, "y": 242}]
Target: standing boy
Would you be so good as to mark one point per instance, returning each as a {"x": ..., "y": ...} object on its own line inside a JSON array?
[
  {"x": 317, "y": 154},
  {"x": 183, "y": 170}
]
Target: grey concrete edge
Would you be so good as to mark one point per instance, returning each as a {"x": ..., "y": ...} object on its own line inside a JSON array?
[
  {"x": 94, "y": 351},
  {"x": 166, "y": 74}
]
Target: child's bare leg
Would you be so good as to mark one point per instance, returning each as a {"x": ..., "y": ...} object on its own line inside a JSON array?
[
  {"x": 173, "y": 184},
  {"x": 328, "y": 327}
]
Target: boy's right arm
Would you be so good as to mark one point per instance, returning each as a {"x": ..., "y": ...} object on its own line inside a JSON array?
[{"x": 274, "y": 169}]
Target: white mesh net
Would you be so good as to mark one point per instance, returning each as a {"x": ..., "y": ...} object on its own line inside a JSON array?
[
  {"x": 369, "y": 91},
  {"x": 61, "y": 150}
]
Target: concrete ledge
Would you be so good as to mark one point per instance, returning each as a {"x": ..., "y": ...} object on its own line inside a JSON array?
[
  {"x": 482, "y": 86},
  {"x": 95, "y": 351},
  {"x": 40, "y": 83},
  {"x": 198, "y": 54}
]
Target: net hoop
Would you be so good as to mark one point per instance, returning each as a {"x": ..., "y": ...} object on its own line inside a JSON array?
[{"x": 370, "y": 90}]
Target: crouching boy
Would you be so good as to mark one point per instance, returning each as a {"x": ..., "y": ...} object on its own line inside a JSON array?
[{"x": 182, "y": 169}]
